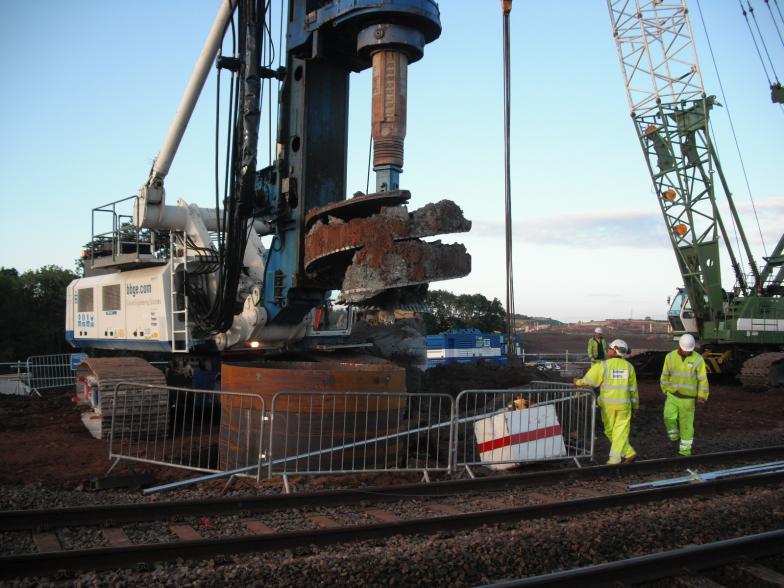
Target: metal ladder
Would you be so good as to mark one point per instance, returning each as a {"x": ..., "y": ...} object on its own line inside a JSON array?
[{"x": 180, "y": 338}]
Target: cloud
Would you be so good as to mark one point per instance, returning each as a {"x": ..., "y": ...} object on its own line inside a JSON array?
[
  {"x": 774, "y": 204},
  {"x": 599, "y": 229},
  {"x": 633, "y": 228},
  {"x": 768, "y": 212}
]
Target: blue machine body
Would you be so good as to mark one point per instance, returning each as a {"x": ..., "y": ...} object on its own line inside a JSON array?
[
  {"x": 311, "y": 169},
  {"x": 465, "y": 346}
]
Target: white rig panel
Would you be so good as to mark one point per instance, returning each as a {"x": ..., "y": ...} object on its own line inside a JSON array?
[
  {"x": 128, "y": 310},
  {"x": 755, "y": 324}
]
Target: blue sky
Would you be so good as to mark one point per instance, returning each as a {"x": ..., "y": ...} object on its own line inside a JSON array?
[{"x": 90, "y": 87}]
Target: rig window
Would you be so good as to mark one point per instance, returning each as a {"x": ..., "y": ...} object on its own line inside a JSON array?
[
  {"x": 111, "y": 297},
  {"x": 85, "y": 300}
]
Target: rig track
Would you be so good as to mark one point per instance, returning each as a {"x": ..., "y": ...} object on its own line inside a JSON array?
[{"x": 764, "y": 371}]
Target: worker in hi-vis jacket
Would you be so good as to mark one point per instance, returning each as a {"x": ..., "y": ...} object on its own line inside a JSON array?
[
  {"x": 684, "y": 381},
  {"x": 618, "y": 397},
  {"x": 597, "y": 346}
]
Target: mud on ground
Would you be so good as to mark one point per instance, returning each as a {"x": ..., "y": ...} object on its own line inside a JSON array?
[{"x": 43, "y": 441}]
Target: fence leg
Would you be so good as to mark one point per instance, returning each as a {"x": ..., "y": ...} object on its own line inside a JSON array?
[
  {"x": 114, "y": 465},
  {"x": 577, "y": 462},
  {"x": 228, "y": 484},
  {"x": 425, "y": 476},
  {"x": 469, "y": 472},
  {"x": 286, "y": 487}
]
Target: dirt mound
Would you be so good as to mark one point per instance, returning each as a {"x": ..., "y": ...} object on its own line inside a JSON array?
[
  {"x": 454, "y": 378},
  {"x": 551, "y": 342},
  {"x": 43, "y": 440}
]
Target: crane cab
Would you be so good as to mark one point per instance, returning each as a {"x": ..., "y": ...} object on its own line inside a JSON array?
[{"x": 680, "y": 315}]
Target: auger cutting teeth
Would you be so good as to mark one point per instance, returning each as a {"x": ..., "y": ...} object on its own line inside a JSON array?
[{"x": 371, "y": 243}]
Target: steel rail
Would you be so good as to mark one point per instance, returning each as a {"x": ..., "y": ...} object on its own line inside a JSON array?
[
  {"x": 656, "y": 566},
  {"x": 117, "y": 557},
  {"x": 18, "y": 520}
]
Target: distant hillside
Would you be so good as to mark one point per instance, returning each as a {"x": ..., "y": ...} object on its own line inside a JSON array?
[
  {"x": 619, "y": 326},
  {"x": 526, "y": 324},
  {"x": 533, "y": 324}
]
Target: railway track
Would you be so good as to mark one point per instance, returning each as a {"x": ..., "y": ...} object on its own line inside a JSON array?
[
  {"x": 314, "y": 519},
  {"x": 692, "y": 562}
]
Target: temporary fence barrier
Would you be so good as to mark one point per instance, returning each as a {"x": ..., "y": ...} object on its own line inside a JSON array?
[
  {"x": 309, "y": 433},
  {"x": 53, "y": 371},
  {"x": 566, "y": 361},
  {"x": 542, "y": 421},
  {"x": 15, "y": 378},
  {"x": 198, "y": 430},
  {"x": 547, "y": 385},
  {"x": 353, "y": 432}
]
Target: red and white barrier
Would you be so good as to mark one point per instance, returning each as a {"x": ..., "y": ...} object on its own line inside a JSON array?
[{"x": 517, "y": 436}]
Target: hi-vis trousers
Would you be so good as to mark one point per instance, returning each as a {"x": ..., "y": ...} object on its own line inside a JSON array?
[
  {"x": 617, "y": 426},
  {"x": 679, "y": 420}
]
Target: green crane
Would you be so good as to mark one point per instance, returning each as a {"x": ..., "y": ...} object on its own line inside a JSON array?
[{"x": 741, "y": 330}]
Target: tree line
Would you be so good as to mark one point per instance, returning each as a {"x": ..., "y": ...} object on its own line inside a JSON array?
[
  {"x": 469, "y": 311},
  {"x": 463, "y": 311},
  {"x": 32, "y": 312}
]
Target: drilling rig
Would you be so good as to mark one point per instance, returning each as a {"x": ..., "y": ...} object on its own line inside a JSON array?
[
  {"x": 741, "y": 330},
  {"x": 190, "y": 282}
]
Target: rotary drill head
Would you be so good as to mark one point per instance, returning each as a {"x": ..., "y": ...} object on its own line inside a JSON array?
[{"x": 371, "y": 244}]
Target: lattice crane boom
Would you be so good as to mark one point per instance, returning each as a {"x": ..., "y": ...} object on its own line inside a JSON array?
[{"x": 670, "y": 111}]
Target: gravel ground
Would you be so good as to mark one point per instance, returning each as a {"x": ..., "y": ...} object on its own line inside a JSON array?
[
  {"x": 81, "y": 538},
  {"x": 150, "y": 532},
  {"x": 59, "y": 457},
  {"x": 480, "y": 556},
  {"x": 16, "y": 543},
  {"x": 215, "y": 527}
]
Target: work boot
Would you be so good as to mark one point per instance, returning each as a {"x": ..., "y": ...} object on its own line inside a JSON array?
[
  {"x": 685, "y": 447},
  {"x": 630, "y": 458}
]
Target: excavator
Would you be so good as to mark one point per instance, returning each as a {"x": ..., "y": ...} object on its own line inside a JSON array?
[
  {"x": 741, "y": 329},
  {"x": 184, "y": 282}
]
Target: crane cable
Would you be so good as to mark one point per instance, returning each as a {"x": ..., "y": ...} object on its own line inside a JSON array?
[
  {"x": 506, "y": 8},
  {"x": 756, "y": 44},
  {"x": 773, "y": 18},
  {"x": 732, "y": 127},
  {"x": 778, "y": 10},
  {"x": 270, "y": 52}
]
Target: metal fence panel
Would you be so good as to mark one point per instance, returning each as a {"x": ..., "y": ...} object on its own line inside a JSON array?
[
  {"x": 14, "y": 378},
  {"x": 548, "y": 385},
  {"x": 53, "y": 371},
  {"x": 352, "y": 432},
  {"x": 200, "y": 430},
  {"x": 568, "y": 361},
  {"x": 542, "y": 421}
]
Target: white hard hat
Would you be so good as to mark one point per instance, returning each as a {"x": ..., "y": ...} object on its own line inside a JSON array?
[
  {"x": 687, "y": 342},
  {"x": 598, "y": 330},
  {"x": 620, "y": 346}
]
